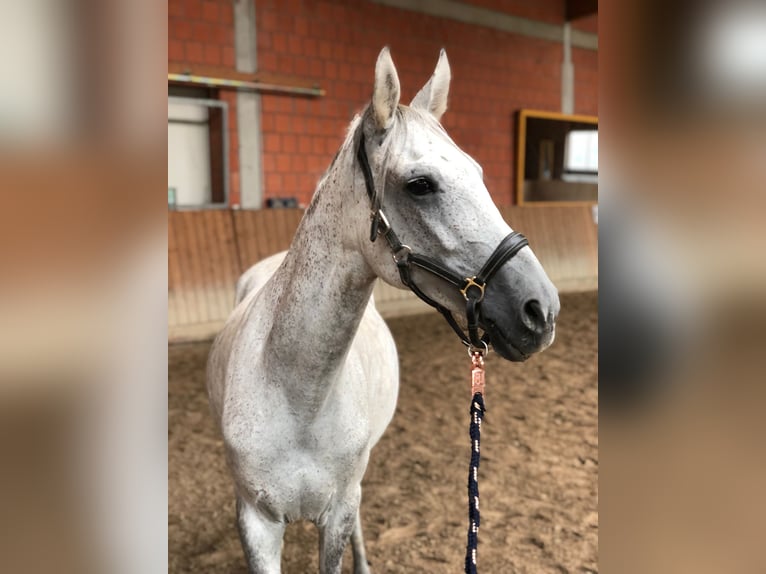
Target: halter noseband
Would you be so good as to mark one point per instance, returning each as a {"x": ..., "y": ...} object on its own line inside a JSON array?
[{"x": 472, "y": 288}]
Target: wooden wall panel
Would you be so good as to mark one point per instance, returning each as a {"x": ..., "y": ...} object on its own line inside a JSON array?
[
  {"x": 565, "y": 240},
  {"x": 202, "y": 270},
  {"x": 264, "y": 232},
  {"x": 208, "y": 250}
]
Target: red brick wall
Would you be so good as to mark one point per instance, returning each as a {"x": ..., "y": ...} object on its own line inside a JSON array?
[
  {"x": 202, "y": 32},
  {"x": 586, "y": 81},
  {"x": 587, "y": 24},
  {"x": 336, "y": 43}
]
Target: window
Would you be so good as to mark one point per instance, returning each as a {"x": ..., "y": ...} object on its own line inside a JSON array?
[
  {"x": 197, "y": 152},
  {"x": 557, "y": 158},
  {"x": 581, "y": 156},
  {"x": 581, "y": 151}
]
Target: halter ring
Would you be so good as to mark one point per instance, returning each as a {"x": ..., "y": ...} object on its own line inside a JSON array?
[
  {"x": 401, "y": 254},
  {"x": 472, "y": 349},
  {"x": 471, "y": 282}
]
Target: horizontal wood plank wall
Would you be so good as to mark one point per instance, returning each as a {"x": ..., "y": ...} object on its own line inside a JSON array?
[
  {"x": 208, "y": 250},
  {"x": 264, "y": 232}
]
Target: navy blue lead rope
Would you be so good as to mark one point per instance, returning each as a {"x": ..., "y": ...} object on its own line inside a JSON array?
[{"x": 477, "y": 414}]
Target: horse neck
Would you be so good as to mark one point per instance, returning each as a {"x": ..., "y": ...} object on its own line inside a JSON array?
[{"x": 324, "y": 286}]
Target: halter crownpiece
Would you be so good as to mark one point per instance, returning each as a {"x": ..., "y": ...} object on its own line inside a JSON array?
[{"x": 472, "y": 288}]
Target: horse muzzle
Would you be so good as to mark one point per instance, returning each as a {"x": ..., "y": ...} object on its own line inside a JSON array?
[{"x": 523, "y": 323}]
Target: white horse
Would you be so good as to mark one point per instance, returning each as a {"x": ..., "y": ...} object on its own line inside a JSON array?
[{"x": 303, "y": 379}]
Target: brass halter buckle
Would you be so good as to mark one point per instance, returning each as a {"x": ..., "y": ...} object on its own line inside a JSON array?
[{"x": 471, "y": 282}]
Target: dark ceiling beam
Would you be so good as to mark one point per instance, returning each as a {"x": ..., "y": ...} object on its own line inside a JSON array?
[
  {"x": 580, "y": 8},
  {"x": 461, "y": 11}
]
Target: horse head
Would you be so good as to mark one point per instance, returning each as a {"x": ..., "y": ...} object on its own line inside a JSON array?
[{"x": 433, "y": 195}]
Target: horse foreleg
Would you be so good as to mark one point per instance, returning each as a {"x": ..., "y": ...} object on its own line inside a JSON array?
[
  {"x": 361, "y": 566},
  {"x": 261, "y": 540},
  {"x": 334, "y": 534}
]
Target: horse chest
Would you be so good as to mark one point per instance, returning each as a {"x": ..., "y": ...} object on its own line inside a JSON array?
[
  {"x": 336, "y": 430},
  {"x": 297, "y": 458},
  {"x": 297, "y": 470}
]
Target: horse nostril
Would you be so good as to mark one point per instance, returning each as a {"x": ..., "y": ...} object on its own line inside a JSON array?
[{"x": 534, "y": 316}]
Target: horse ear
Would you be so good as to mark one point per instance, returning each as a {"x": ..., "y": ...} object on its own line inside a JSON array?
[
  {"x": 385, "y": 94},
  {"x": 433, "y": 96}
]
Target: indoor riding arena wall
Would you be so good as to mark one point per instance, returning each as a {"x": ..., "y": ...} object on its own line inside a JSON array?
[
  {"x": 333, "y": 45},
  {"x": 208, "y": 251}
]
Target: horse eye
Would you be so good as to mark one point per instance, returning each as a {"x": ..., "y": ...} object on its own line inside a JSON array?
[{"x": 420, "y": 186}]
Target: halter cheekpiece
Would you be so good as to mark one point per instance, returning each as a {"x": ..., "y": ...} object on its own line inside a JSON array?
[{"x": 472, "y": 288}]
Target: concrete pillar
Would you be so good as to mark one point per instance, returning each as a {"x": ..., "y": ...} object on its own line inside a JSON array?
[
  {"x": 567, "y": 73},
  {"x": 248, "y": 108}
]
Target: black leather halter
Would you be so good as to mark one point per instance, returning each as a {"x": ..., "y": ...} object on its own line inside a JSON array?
[{"x": 472, "y": 288}]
